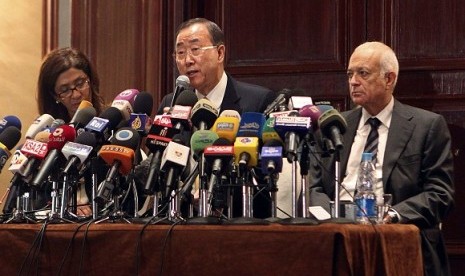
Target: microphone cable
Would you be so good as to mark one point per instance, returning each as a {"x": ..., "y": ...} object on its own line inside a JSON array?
[
  {"x": 34, "y": 250},
  {"x": 63, "y": 260}
]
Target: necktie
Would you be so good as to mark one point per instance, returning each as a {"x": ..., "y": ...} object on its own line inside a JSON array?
[{"x": 372, "y": 140}]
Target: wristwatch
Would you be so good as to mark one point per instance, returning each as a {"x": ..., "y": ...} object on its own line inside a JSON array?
[{"x": 393, "y": 216}]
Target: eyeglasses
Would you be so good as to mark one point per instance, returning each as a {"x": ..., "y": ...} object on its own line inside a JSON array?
[
  {"x": 79, "y": 85},
  {"x": 194, "y": 51}
]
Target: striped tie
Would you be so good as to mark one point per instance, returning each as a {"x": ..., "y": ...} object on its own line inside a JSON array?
[{"x": 372, "y": 140}]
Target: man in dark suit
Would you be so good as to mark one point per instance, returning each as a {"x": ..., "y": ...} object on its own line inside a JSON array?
[
  {"x": 414, "y": 161},
  {"x": 200, "y": 55}
]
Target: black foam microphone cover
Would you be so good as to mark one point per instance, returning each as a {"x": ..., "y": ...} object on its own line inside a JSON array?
[
  {"x": 186, "y": 98},
  {"x": 143, "y": 103},
  {"x": 113, "y": 115},
  {"x": 10, "y": 137}
]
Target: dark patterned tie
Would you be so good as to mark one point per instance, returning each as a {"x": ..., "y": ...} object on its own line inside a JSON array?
[{"x": 372, "y": 140}]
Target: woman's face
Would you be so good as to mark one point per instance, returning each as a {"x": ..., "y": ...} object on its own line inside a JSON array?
[{"x": 71, "y": 87}]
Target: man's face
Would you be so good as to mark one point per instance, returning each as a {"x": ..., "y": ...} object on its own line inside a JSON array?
[
  {"x": 368, "y": 87},
  {"x": 205, "y": 69}
]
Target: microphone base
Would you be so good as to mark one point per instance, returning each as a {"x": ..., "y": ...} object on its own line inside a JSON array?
[
  {"x": 299, "y": 221},
  {"x": 339, "y": 221},
  {"x": 204, "y": 220},
  {"x": 274, "y": 219},
  {"x": 248, "y": 221}
]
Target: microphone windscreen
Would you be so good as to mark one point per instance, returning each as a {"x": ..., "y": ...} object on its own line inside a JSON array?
[
  {"x": 143, "y": 103},
  {"x": 183, "y": 81},
  {"x": 113, "y": 115},
  {"x": 313, "y": 112},
  {"x": 202, "y": 139},
  {"x": 126, "y": 137},
  {"x": 41, "y": 122},
  {"x": 83, "y": 116},
  {"x": 86, "y": 138},
  {"x": 128, "y": 95},
  {"x": 42, "y": 136},
  {"x": 58, "y": 138},
  {"x": 10, "y": 137},
  {"x": 226, "y": 127},
  {"x": 10, "y": 120},
  {"x": 84, "y": 104},
  {"x": 331, "y": 118},
  {"x": 186, "y": 98},
  {"x": 204, "y": 112},
  {"x": 230, "y": 113},
  {"x": 251, "y": 124},
  {"x": 324, "y": 107}
]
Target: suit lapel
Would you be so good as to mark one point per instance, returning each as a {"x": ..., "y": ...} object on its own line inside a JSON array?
[
  {"x": 231, "y": 98},
  {"x": 400, "y": 132}
]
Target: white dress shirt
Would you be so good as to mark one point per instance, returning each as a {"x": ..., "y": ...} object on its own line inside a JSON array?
[{"x": 351, "y": 174}]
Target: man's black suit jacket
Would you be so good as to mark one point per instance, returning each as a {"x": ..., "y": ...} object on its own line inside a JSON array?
[
  {"x": 417, "y": 171},
  {"x": 242, "y": 97}
]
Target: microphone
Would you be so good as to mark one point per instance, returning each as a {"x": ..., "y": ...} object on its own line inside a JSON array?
[
  {"x": 181, "y": 111},
  {"x": 200, "y": 140},
  {"x": 268, "y": 131},
  {"x": 104, "y": 125},
  {"x": 246, "y": 151},
  {"x": 291, "y": 128},
  {"x": 124, "y": 101},
  {"x": 84, "y": 104},
  {"x": 10, "y": 120},
  {"x": 247, "y": 139},
  {"x": 159, "y": 136},
  {"x": 226, "y": 128},
  {"x": 272, "y": 157},
  {"x": 182, "y": 84},
  {"x": 57, "y": 139},
  {"x": 251, "y": 124},
  {"x": 9, "y": 137},
  {"x": 140, "y": 118},
  {"x": 333, "y": 126},
  {"x": 82, "y": 117},
  {"x": 42, "y": 136},
  {"x": 230, "y": 113},
  {"x": 120, "y": 156},
  {"x": 219, "y": 155},
  {"x": 313, "y": 112},
  {"x": 204, "y": 114},
  {"x": 174, "y": 160},
  {"x": 78, "y": 151},
  {"x": 297, "y": 102},
  {"x": 41, "y": 122},
  {"x": 281, "y": 99}
]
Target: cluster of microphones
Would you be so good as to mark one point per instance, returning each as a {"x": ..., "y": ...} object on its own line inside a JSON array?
[{"x": 191, "y": 145}]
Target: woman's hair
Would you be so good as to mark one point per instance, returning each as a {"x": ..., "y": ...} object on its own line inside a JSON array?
[{"x": 55, "y": 63}]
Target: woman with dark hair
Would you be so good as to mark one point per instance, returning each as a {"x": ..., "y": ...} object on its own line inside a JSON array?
[{"x": 66, "y": 78}]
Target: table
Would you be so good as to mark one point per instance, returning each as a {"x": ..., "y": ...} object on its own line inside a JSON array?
[{"x": 124, "y": 249}]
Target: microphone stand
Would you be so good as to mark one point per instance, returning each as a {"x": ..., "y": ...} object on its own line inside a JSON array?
[
  {"x": 303, "y": 154},
  {"x": 272, "y": 180},
  {"x": 247, "y": 199},
  {"x": 203, "y": 216},
  {"x": 118, "y": 215},
  {"x": 336, "y": 217},
  {"x": 22, "y": 203}
]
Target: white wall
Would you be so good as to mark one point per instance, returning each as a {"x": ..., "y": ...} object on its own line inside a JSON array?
[{"x": 20, "y": 60}]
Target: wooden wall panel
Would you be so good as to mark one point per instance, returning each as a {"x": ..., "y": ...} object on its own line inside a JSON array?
[{"x": 126, "y": 41}]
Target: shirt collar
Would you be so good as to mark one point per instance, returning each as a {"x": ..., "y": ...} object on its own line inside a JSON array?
[
  {"x": 384, "y": 116},
  {"x": 216, "y": 95}
]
